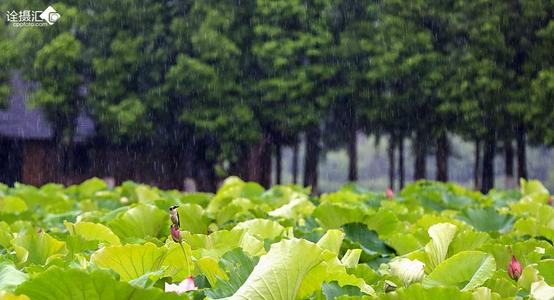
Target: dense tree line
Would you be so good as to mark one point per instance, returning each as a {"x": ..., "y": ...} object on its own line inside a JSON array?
[{"x": 222, "y": 86}]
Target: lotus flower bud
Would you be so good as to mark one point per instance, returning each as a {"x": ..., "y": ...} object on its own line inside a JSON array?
[
  {"x": 550, "y": 200},
  {"x": 514, "y": 268},
  {"x": 175, "y": 233},
  {"x": 389, "y": 193}
]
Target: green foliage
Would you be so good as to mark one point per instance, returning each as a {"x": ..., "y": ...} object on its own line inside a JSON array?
[
  {"x": 466, "y": 270},
  {"x": 115, "y": 248},
  {"x": 57, "y": 67},
  {"x": 57, "y": 283},
  {"x": 10, "y": 276}
]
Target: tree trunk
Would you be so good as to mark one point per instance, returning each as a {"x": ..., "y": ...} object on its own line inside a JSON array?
[
  {"x": 352, "y": 154},
  {"x": 391, "y": 162},
  {"x": 442, "y": 157},
  {"x": 401, "y": 162},
  {"x": 521, "y": 156},
  {"x": 312, "y": 158},
  {"x": 259, "y": 162},
  {"x": 509, "y": 157},
  {"x": 420, "y": 164},
  {"x": 295, "y": 163},
  {"x": 488, "y": 164},
  {"x": 278, "y": 163},
  {"x": 477, "y": 165},
  {"x": 265, "y": 180}
]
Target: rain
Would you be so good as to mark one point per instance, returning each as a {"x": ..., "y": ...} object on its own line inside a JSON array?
[{"x": 249, "y": 116}]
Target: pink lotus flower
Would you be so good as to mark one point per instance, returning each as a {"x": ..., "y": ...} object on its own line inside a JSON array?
[
  {"x": 550, "y": 200},
  {"x": 175, "y": 233},
  {"x": 514, "y": 268},
  {"x": 389, "y": 193},
  {"x": 185, "y": 286}
]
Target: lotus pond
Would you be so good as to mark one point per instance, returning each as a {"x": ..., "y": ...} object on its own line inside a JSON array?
[{"x": 430, "y": 241}]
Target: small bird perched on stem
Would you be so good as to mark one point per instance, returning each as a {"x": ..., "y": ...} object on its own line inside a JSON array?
[
  {"x": 174, "y": 215},
  {"x": 175, "y": 230}
]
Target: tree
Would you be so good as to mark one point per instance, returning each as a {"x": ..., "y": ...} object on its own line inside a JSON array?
[
  {"x": 8, "y": 54},
  {"x": 57, "y": 68},
  {"x": 209, "y": 87},
  {"x": 541, "y": 111},
  {"x": 289, "y": 46},
  {"x": 405, "y": 71}
]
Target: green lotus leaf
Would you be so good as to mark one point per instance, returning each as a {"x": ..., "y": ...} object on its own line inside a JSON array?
[
  {"x": 10, "y": 277},
  {"x": 468, "y": 240},
  {"x": 233, "y": 187},
  {"x": 130, "y": 261},
  {"x": 344, "y": 195},
  {"x": 146, "y": 194},
  {"x": 5, "y": 234},
  {"x": 466, "y": 270},
  {"x": 178, "y": 262},
  {"x": 530, "y": 187},
  {"x": 529, "y": 275},
  {"x": 546, "y": 270},
  {"x": 56, "y": 283},
  {"x": 351, "y": 258},
  {"x": 202, "y": 199},
  {"x": 365, "y": 272},
  {"x": 219, "y": 242},
  {"x": 336, "y": 214},
  {"x": 439, "y": 196},
  {"x": 210, "y": 268},
  {"x": 331, "y": 241},
  {"x": 141, "y": 221},
  {"x": 148, "y": 279},
  {"x": 89, "y": 187},
  {"x": 298, "y": 207},
  {"x": 279, "y": 195},
  {"x": 295, "y": 269},
  {"x": 193, "y": 218},
  {"x": 530, "y": 226},
  {"x": 332, "y": 290},
  {"x": 93, "y": 232},
  {"x": 383, "y": 222},
  {"x": 366, "y": 239},
  {"x": 527, "y": 252},
  {"x": 262, "y": 228},
  {"x": 484, "y": 293},
  {"x": 404, "y": 243},
  {"x": 542, "y": 213},
  {"x": 237, "y": 209},
  {"x": 279, "y": 274},
  {"x": 37, "y": 248},
  {"x": 418, "y": 292},
  {"x": 487, "y": 219},
  {"x": 331, "y": 269},
  {"x": 502, "y": 284},
  {"x": 441, "y": 235},
  {"x": 237, "y": 266},
  {"x": 12, "y": 204}
]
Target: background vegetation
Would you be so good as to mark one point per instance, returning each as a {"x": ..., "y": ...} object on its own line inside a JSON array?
[{"x": 227, "y": 84}]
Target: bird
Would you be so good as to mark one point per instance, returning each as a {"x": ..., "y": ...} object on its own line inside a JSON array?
[{"x": 174, "y": 215}]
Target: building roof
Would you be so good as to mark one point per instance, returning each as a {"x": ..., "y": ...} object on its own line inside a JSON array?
[{"x": 19, "y": 121}]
